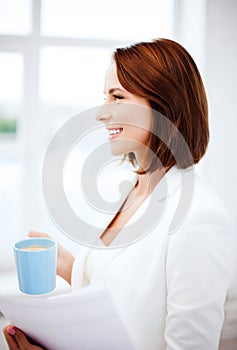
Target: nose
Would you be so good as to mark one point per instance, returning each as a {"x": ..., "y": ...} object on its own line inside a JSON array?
[{"x": 104, "y": 114}]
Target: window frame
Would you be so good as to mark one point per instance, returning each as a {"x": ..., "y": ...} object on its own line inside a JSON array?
[{"x": 30, "y": 125}]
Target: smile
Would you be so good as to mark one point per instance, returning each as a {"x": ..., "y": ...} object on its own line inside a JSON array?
[{"x": 114, "y": 132}]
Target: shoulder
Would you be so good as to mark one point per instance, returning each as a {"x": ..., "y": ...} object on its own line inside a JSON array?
[
  {"x": 196, "y": 196},
  {"x": 207, "y": 206},
  {"x": 206, "y": 236},
  {"x": 192, "y": 202},
  {"x": 205, "y": 222}
]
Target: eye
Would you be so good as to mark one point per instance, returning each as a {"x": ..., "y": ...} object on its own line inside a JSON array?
[{"x": 118, "y": 97}]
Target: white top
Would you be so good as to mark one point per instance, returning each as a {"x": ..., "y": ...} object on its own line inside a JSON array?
[
  {"x": 96, "y": 261},
  {"x": 170, "y": 286}
]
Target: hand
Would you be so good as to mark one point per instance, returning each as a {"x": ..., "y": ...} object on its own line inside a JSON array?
[
  {"x": 17, "y": 340},
  {"x": 65, "y": 258}
]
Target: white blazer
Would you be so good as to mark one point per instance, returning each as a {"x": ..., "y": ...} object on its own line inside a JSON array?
[{"x": 170, "y": 286}]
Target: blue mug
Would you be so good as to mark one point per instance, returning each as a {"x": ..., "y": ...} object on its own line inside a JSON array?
[{"x": 36, "y": 263}]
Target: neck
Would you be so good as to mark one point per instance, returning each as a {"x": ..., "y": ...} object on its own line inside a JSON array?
[{"x": 147, "y": 182}]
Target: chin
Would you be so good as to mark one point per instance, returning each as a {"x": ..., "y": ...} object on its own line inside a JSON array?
[
  {"x": 119, "y": 147},
  {"x": 116, "y": 151}
]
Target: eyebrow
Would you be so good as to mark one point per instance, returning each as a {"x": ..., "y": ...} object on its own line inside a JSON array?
[{"x": 115, "y": 89}]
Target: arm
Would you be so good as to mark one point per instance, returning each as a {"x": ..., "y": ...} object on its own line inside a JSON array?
[{"x": 198, "y": 275}]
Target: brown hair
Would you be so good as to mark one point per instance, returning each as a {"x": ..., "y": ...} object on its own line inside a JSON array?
[{"x": 164, "y": 73}]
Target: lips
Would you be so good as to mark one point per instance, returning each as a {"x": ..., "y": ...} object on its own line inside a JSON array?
[{"x": 114, "y": 132}]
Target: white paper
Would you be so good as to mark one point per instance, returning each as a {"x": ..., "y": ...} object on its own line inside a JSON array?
[{"x": 86, "y": 320}]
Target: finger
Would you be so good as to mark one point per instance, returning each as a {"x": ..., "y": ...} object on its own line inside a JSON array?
[
  {"x": 8, "y": 332},
  {"x": 38, "y": 234},
  {"x": 21, "y": 339}
]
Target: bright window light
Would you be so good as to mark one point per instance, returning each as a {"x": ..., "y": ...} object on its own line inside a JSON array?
[
  {"x": 15, "y": 17},
  {"x": 11, "y": 73},
  {"x": 73, "y": 76},
  {"x": 125, "y": 20},
  {"x": 11, "y": 91}
]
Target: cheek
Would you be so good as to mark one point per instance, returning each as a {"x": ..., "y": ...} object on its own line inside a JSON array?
[
  {"x": 140, "y": 119},
  {"x": 140, "y": 134},
  {"x": 138, "y": 116}
]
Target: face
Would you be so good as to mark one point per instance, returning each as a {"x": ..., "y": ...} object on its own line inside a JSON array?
[{"x": 127, "y": 117}]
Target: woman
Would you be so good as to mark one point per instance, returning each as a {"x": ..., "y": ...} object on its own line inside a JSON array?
[{"x": 170, "y": 282}]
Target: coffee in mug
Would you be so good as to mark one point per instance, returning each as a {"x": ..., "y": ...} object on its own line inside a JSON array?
[{"x": 34, "y": 247}]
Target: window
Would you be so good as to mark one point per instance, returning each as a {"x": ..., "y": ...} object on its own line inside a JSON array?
[
  {"x": 125, "y": 20},
  {"x": 11, "y": 90},
  {"x": 53, "y": 56},
  {"x": 15, "y": 17}
]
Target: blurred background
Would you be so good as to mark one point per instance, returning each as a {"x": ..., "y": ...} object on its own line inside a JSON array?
[{"x": 53, "y": 56}]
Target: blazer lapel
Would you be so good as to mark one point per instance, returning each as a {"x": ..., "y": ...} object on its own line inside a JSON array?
[{"x": 105, "y": 218}]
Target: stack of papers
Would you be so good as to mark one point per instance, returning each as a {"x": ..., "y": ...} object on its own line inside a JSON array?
[{"x": 86, "y": 320}]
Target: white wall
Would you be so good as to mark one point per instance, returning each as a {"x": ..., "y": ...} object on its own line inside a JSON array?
[
  {"x": 221, "y": 75},
  {"x": 208, "y": 29},
  {"x": 221, "y": 57}
]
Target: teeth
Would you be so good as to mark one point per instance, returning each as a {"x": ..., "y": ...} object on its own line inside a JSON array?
[{"x": 115, "y": 131}]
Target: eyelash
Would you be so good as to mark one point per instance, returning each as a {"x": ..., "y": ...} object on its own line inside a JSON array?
[{"x": 118, "y": 97}]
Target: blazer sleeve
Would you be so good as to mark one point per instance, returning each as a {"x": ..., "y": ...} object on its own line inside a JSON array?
[{"x": 198, "y": 273}]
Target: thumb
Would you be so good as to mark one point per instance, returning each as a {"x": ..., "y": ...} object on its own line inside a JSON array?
[
  {"x": 36, "y": 234},
  {"x": 8, "y": 332},
  {"x": 21, "y": 339}
]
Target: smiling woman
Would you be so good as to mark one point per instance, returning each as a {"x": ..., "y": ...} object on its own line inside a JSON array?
[{"x": 165, "y": 255}]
